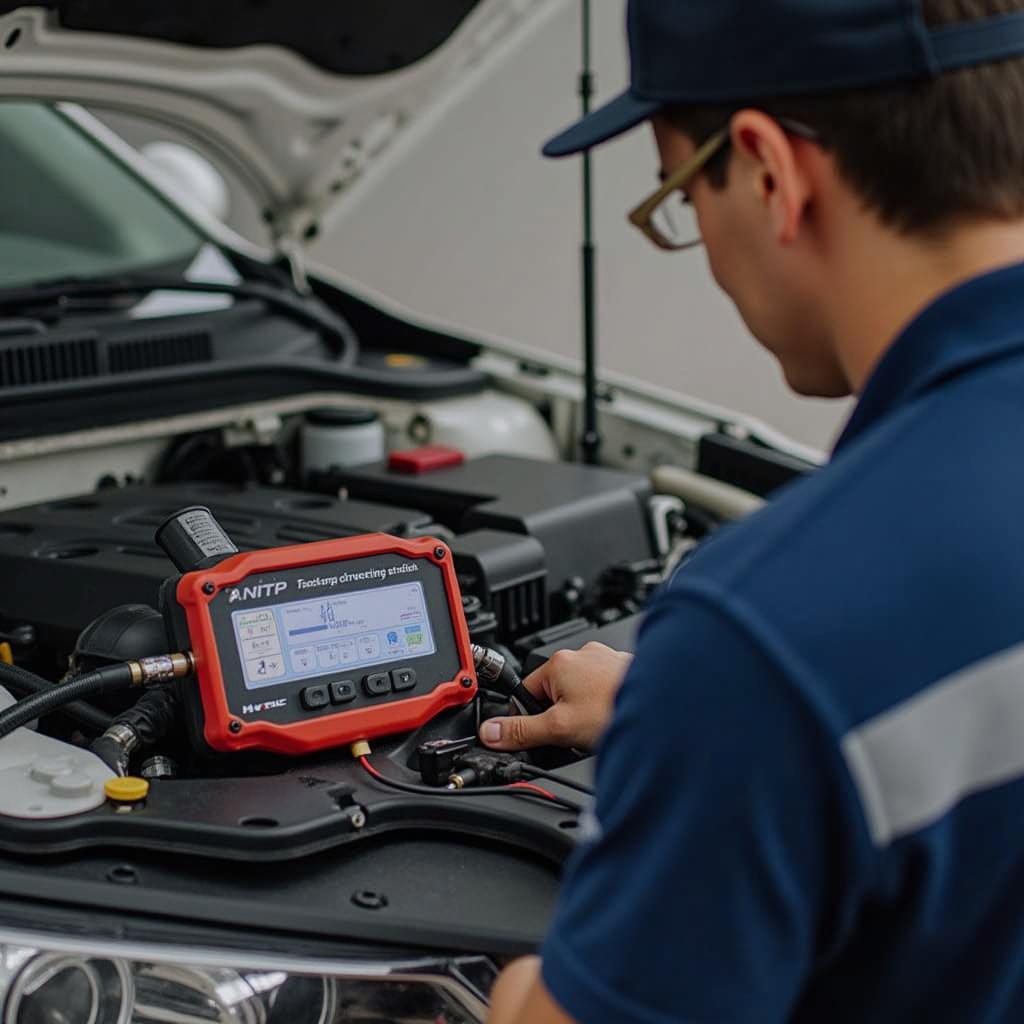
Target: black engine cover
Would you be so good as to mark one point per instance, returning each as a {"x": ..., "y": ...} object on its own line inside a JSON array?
[{"x": 65, "y": 562}]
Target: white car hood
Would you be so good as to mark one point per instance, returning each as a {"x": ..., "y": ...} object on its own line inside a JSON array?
[{"x": 296, "y": 131}]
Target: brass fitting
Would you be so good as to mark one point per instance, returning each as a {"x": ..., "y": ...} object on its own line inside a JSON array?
[{"x": 162, "y": 668}]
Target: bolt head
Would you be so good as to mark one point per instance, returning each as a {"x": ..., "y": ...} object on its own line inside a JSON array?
[
  {"x": 123, "y": 874},
  {"x": 208, "y": 588},
  {"x": 466, "y": 682},
  {"x": 358, "y": 818},
  {"x": 369, "y": 900},
  {"x": 439, "y": 552},
  {"x": 235, "y": 726}
]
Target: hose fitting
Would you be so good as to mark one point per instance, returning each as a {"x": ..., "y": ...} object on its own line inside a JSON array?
[
  {"x": 494, "y": 671},
  {"x": 162, "y": 669}
]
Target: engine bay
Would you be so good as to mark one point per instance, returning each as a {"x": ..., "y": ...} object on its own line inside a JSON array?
[{"x": 545, "y": 555}]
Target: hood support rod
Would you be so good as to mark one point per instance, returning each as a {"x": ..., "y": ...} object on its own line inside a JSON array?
[{"x": 590, "y": 443}]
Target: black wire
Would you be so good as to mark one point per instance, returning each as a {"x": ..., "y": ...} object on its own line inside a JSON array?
[
  {"x": 408, "y": 787},
  {"x": 540, "y": 773},
  {"x": 103, "y": 680},
  {"x": 20, "y": 680}
]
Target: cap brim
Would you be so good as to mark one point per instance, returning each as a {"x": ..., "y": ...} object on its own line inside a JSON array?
[
  {"x": 614, "y": 118},
  {"x": 619, "y": 116}
]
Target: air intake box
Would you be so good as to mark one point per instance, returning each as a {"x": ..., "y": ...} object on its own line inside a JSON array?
[
  {"x": 584, "y": 518},
  {"x": 508, "y": 572}
]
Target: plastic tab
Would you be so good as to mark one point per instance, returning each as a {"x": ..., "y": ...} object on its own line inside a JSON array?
[{"x": 426, "y": 459}]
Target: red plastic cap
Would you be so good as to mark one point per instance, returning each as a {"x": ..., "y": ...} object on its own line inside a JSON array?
[{"x": 425, "y": 459}]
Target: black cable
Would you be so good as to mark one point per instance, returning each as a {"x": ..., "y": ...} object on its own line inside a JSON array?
[
  {"x": 510, "y": 790},
  {"x": 15, "y": 678},
  {"x": 530, "y": 704},
  {"x": 539, "y": 773},
  {"x": 102, "y": 680}
]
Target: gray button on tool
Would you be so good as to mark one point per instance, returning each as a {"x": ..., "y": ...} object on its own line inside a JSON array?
[
  {"x": 314, "y": 697},
  {"x": 403, "y": 679},
  {"x": 343, "y": 691},
  {"x": 377, "y": 684}
]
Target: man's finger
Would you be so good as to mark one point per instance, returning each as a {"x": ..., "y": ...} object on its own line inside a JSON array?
[
  {"x": 537, "y": 682},
  {"x": 522, "y": 732}
]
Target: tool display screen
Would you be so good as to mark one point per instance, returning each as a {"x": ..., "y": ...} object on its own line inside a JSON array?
[{"x": 331, "y": 634}]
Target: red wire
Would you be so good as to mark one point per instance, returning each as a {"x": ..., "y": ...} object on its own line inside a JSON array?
[
  {"x": 539, "y": 790},
  {"x": 528, "y": 786},
  {"x": 365, "y": 762}
]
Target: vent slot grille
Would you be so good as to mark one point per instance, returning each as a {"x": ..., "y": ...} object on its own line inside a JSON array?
[
  {"x": 154, "y": 353},
  {"x": 46, "y": 362},
  {"x": 520, "y": 608}
]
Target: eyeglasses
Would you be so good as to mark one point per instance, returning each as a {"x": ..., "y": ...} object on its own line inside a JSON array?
[{"x": 667, "y": 217}]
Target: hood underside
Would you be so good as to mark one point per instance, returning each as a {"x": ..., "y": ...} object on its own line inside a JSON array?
[{"x": 294, "y": 96}]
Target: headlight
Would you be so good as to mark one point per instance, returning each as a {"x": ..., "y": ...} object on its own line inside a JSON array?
[{"x": 52, "y": 980}]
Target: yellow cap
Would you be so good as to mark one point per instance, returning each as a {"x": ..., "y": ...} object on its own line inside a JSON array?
[
  {"x": 360, "y": 749},
  {"x": 6, "y": 654},
  {"x": 128, "y": 789},
  {"x": 404, "y": 361}
]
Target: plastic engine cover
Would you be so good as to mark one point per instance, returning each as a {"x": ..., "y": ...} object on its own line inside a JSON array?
[{"x": 41, "y": 777}]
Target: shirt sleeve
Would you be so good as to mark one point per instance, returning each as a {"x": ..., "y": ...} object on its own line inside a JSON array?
[{"x": 704, "y": 897}]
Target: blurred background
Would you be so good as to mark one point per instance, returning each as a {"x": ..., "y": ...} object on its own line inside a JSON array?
[{"x": 471, "y": 226}]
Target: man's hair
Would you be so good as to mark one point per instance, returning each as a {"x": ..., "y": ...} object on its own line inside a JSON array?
[{"x": 924, "y": 156}]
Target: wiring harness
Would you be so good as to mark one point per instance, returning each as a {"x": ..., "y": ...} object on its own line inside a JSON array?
[{"x": 474, "y": 773}]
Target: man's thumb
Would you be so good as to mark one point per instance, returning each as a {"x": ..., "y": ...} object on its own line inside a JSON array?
[{"x": 520, "y": 733}]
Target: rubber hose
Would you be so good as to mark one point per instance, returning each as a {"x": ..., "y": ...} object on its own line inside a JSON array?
[
  {"x": 21, "y": 680},
  {"x": 724, "y": 500},
  {"x": 111, "y": 753},
  {"x": 153, "y": 715},
  {"x": 103, "y": 680}
]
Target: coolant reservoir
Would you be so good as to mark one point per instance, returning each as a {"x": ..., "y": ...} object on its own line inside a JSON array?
[
  {"x": 484, "y": 424},
  {"x": 341, "y": 437},
  {"x": 43, "y": 777}
]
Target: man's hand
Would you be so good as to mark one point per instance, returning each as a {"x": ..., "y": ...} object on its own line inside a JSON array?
[
  {"x": 519, "y": 997},
  {"x": 581, "y": 685}
]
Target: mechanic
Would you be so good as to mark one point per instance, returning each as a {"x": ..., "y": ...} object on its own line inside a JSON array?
[{"x": 810, "y": 798}]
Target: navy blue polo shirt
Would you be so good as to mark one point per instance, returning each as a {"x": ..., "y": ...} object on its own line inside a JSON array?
[{"x": 811, "y": 798}]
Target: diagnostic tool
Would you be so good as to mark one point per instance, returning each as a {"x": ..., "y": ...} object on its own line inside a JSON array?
[{"x": 302, "y": 648}]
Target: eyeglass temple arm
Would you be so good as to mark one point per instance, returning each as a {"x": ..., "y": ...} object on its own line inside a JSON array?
[{"x": 642, "y": 213}]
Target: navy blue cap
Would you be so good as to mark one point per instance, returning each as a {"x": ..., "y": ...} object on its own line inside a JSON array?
[{"x": 721, "y": 51}]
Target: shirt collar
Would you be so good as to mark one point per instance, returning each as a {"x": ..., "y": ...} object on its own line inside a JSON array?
[{"x": 974, "y": 323}]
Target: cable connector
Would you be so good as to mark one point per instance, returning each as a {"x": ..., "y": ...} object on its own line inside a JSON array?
[
  {"x": 485, "y": 769},
  {"x": 438, "y": 759},
  {"x": 361, "y": 748},
  {"x": 161, "y": 669}
]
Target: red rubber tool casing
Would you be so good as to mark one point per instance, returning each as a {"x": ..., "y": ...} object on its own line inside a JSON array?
[{"x": 227, "y": 716}]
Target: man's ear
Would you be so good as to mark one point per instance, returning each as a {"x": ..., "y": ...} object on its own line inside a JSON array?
[{"x": 774, "y": 169}]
